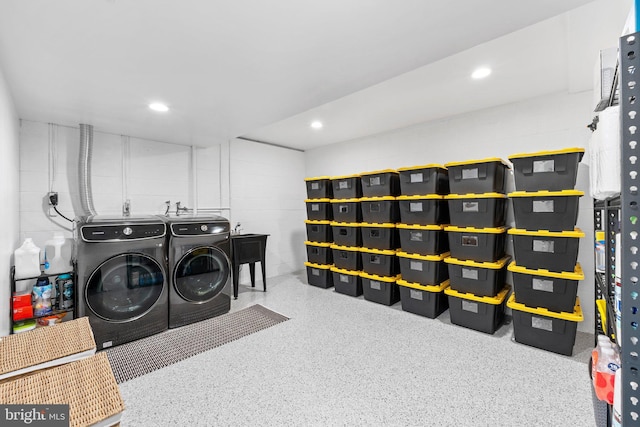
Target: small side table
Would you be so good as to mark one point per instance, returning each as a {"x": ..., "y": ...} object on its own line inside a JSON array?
[{"x": 248, "y": 249}]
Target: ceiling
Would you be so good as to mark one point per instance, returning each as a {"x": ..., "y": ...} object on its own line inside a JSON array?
[{"x": 264, "y": 70}]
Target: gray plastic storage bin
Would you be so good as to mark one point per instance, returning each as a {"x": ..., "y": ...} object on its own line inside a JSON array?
[
  {"x": 546, "y": 210},
  {"x": 346, "y": 257},
  {"x": 380, "y": 183},
  {"x": 477, "y": 210},
  {"x": 546, "y": 170},
  {"x": 383, "y": 209},
  {"x": 379, "y": 262},
  {"x": 318, "y": 231},
  {"x": 319, "y": 187},
  {"x": 423, "y": 239},
  {"x": 547, "y": 250},
  {"x": 428, "y": 301},
  {"x": 423, "y": 269},
  {"x": 477, "y": 244},
  {"x": 479, "y": 278},
  {"x": 347, "y": 282},
  {"x": 346, "y": 233},
  {"x": 423, "y": 209},
  {"x": 477, "y": 176},
  {"x": 319, "y": 209},
  {"x": 319, "y": 275},
  {"x": 346, "y": 210},
  {"x": 380, "y": 289},
  {"x": 426, "y": 179},
  {"x": 484, "y": 314},
  {"x": 379, "y": 236},
  {"x": 346, "y": 187},
  {"x": 319, "y": 252}
]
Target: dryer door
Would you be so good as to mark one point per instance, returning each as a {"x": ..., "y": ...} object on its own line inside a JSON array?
[
  {"x": 124, "y": 287},
  {"x": 201, "y": 274}
]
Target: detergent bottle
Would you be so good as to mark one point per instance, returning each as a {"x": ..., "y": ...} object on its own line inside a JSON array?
[
  {"x": 55, "y": 260},
  {"x": 27, "y": 260}
]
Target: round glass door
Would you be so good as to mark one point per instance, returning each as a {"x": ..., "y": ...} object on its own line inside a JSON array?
[
  {"x": 201, "y": 274},
  {"x": 124, "y": 287}
]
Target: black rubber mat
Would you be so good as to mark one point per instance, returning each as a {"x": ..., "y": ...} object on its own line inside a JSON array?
[{"x": 146, "y": 355}]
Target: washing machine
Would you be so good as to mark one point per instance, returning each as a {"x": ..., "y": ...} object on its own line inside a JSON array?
[
  {"x": 122, "y": 284},
  {"x": 199, "y": 249}
]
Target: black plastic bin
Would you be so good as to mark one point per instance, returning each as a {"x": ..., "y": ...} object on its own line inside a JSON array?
[
  {"x": 383, "y": 209},
  {"x": 346, "y": 186},
  {"x": 477, "y": 244},
  {"x": 428, "y": 301},
  {"x": 477, "y": 210},
  {"x": 477, "y": 176},
  {"x": 318, "y": 231},
  {"x": 423, "y": 269},
  {"x": 479, "y": 278},
  {"x": 319, "y": 187},
  {"x": 380, "y": 289},
  {"x": 541, "y": 288},
  {"x": 546, "y": 250},
  {"x": 379, "y": 236},
  {"x": 379, "y": 262},
  {"x": 546, "y": 210},
  {"x": 346, "y": 210},
  {"x": 426, "y": 179},
  {"x": 541, "y": 328},
  {"x": 423, "y": 239},
  {"x": 546, "y": 170},
  {"x": 319, "y": 252},
  {"x": 423, "y": 209},
  {"x": 346, "y": 257},
  {"x": 380, "y": 183},
  {"x": 319, "y": 275},
  {"x": 347, "y": 282},
  {"x": 484, "y": 314},
  {"x": 319, "y": 209},
  {"x": 346, "y": 233}
]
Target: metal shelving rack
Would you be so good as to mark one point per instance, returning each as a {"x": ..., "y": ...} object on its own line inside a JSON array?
[{"x": 629, "y": 76}]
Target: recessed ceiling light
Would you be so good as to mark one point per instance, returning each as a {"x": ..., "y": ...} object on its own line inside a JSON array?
[
  {"x": 481, "y": 73},
  {"x": 316, "y": 124},
  {"x": 158, "y": 106}
]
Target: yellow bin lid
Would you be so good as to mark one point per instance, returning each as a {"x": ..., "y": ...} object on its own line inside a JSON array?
[
  {"x": 346, "y": 248},
  {"x": 428, "y": 288},
  {"x": 323, "y": 200},
  {"x": 335, "y": 178},
  {"x": 421, "y": 197},
  {"x": 476, "y": 196},
  {"x": 547, "y": 153},
  {"x": 344, "y": 224},
  {"x": 377, "y": 224},
  {"x": 474, "y": 162},
  {"x": 478, "y": 264},
  {"x": 388, "y": 279},
  {"x": 343, "y": 271},
  {"x": 421, "y": 227},
  {"x": 344, "y": 200},
  {"x": 576, "y": 233},
  {"x": 317, "y": 178},
  {"x": 498, "y": 299},
  {"x": 317, "y": 221},
  {"x": 320, "y": 244},
  {"x": 378, "y": 251},
  {"x": 423, "y": 257},
  {"x": 547, "y": 193},
  {"x": 430, "y": 165},
  {"x": 577, "y": 274},
  {"x": 498, "y": 230},
  {"x": 378, "y": 172},
  {"x": 320, "y": 266},
  {"x": 576, "y": 316},
  {"x": 377, "y": 199}
]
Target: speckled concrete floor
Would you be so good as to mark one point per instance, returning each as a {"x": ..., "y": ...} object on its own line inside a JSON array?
[{"x": 347, "y": 361}]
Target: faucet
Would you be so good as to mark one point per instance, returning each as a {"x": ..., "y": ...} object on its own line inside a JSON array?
[
  {"x": 179, "y": 208},
  {"x": 237, "y": 229}
]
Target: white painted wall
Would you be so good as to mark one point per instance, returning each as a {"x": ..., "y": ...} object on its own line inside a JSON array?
[
  {"x": 267, "y": 196},
  {"x": 9, "y": 182},
  {"x": 548, "y": 122}
]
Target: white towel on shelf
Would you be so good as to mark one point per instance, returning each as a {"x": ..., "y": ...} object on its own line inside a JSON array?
[{"x": 604, "y": 155}]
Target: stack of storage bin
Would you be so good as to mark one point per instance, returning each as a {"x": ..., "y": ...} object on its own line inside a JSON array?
[
  {"x": 545, "y": 305},
  {"x": 319, "y": 237},
  {"x": 423, "y": 241},
  {"x": 477, "y": 236}
]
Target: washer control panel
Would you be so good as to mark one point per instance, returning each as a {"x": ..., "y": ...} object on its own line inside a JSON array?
[
  {"x": 101, "y": 233},
  {"x": 199, "y": 228}
]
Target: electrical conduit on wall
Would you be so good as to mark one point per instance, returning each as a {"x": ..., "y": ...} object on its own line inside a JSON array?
[{"x": 84, "y": 169}]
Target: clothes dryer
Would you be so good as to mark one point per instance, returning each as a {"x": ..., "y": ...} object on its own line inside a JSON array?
[
  {"x": 122, "y": 284},
  {"x": 199, "y": 249}
]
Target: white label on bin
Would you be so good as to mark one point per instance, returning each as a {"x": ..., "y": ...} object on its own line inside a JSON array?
[
  {"x": 375, "y": 285},
  {"x": 470, "y": 306},
  {"x": 375, "y": 259},
  {"x": 375, "y": 207},
  {"x": 343, "y": 185},
  {"x": 542, "y": 285},
  {"x": 416, "y": 265},
  {"x": 416, "y": 236},
  {"x": 415, "y": 294},
  {"x": 416, "y": 177},
  {"x": 542, "y": 323},
  {"x": 343, "y": 208},
  {"x": 315, "y": 207},
  {"x": 470, "y": 173},
  {"x": 469, "y": 240},
  {"x": 315, "y": 185},
  {"x": 468, "y": 273},
  {"x": 415, "y": 206},
  {"x": 470, "y": 207},
  {"x": 543, "y": 246},
  {"x": 344, "y": 278},
  {"x": 374, "y": 180},
  {"x": 315, "y": 272},
  {"x": 543, "y": 166},
  {"x": 541, "y": 206}
]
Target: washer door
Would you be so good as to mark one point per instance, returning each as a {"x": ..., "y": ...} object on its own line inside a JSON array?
[
  {"x": 124, "y": 287},
  {"x": 201, "y": 274}
]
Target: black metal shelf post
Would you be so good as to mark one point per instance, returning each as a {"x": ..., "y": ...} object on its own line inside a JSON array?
[{"x": 629, "y": 340}]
